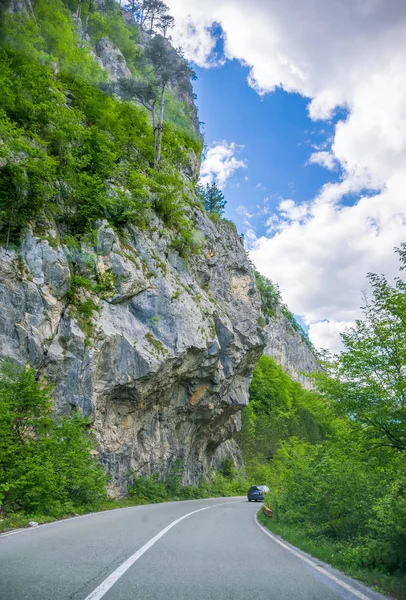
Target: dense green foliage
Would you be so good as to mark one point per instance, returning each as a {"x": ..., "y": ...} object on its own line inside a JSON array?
[
  {"x": 71, "y": 153},
  {"x": 270, "y": 294},
  {"x": 46, "y": 465},
  {"x": 340, "y": 491},
  {"x": 334, "y": 457},
  {"x": 227, "y": 481},
  {"x": 279, "y": 409}
]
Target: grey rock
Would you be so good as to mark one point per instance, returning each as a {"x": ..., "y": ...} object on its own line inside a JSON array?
[
  {"x": 228, "y": 449},
  {"x": 48, "y": 265},
  {"x": 112, "y": 60},
  {"x": 84, "y": 37},
  {"x": 32, "y": 524},
  {"x": 20, "y": 6},
  {"x": 285, "y": 345}
]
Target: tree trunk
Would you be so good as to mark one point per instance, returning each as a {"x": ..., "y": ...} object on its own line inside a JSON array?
[
  {"x": 8, "y": 234},
  {"x": 89, "y": 12},
  {"x": 160, "y": 126},
  {"x": 79, "y": 9},
  {"x": 154, "y": 127}
]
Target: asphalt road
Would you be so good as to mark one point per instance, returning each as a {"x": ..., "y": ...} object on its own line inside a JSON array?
[{"x": 150, "y": 552}]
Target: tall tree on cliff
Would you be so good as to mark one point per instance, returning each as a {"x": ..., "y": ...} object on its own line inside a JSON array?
[
  {"x": 170, "y": 68},
  {"x": 165, "y": 23},
  {"x": 133, "y": 7},
  {"x": 212, "y": 198},
  {"x": 145, "y": 92},
  {"x": 147, "y": 12},
  {"x": 90, "y": 6},
  {"x": 154, "y": 11},
  {"x": 167, "y": 67}
]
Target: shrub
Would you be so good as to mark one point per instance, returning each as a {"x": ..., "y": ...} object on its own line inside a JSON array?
[
  {"x": 148, "y": 490},
  {"x": 46, "y": 465}
]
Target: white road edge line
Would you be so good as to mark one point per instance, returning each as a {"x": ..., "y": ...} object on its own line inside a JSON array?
[
  {"x": 93, "y": 514},
  {"x": 104, "y": 587},
  {"x": 67, "y": 520},
  {"x": 336, "y": 580}
]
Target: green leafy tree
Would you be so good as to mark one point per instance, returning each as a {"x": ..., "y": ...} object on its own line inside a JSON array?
[
  {"x": 368, "y": 379},
  {"x": 279, "y": 408},
  {"x": 342, "y": 482},
  {"x": 212, "y": 198},
  {"x": 338, "y": 492},
  {"x": 146, "y": 93},
  {"x": 165, "y": 23},
  {"x": 46, "y": 465}
]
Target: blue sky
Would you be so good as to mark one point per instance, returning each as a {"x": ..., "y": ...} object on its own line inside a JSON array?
[{"x": 276, "y": 137}]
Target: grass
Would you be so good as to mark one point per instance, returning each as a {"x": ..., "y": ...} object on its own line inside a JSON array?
[
  {"x": 157, "y": 344},
  {"x": 329, "y": 552}
]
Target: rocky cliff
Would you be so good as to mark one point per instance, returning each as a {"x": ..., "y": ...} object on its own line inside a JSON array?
[
  {"x": 163, "y": 364},
  {"x": 158, "y": 349},
  {"x": 286, "y": 346}
]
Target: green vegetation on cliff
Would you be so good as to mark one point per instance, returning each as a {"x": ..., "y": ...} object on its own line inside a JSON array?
[
  {"x": 71, "y": 153},
  {"x": 272, "y": 303},
  {"x": 279, "y": 409}
]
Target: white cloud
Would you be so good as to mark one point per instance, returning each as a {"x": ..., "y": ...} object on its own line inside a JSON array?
[
  {"x": 250, "y": 237},
  {"x": 324, "y": 159},
  {"x": 244, "y": 212},
  {"x": 349, "y": 54},
  {"x": 220, "y": 163},
  {"x": 190, "y": 30},
  {"x": 319, "y": 253},
  {"x": 326, "y": 334},
  {"x": 290, "y": 212}
]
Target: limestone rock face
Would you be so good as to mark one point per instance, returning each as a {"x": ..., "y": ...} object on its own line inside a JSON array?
[
  {"x": 165, "y": 369},
  {"x": 285, "y": 345},
  {"x": 20, "y": 6},
  {"x": 112, "y": 60}
]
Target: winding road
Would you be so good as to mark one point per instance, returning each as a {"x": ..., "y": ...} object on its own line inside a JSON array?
[{"x": 194, "y": 550}]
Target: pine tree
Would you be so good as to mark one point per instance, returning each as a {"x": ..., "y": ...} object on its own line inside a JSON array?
[{"x": 212, "y": 198}]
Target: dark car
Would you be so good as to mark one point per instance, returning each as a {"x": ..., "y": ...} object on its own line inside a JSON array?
[{"x": 257, "y": 492}]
